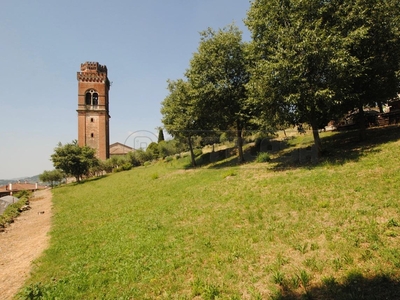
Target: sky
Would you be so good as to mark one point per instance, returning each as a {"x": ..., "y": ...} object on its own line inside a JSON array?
[{"x": 143, "y": 44}]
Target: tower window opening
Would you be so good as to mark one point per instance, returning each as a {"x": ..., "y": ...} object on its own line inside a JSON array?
[
  {"x": 88, "y": 99},
  {"x": 95, "y": 99},
  {"x": 92, "y": 98},
  {"x": 91, "y": 135},
  {"x": 91, "y": 120}
]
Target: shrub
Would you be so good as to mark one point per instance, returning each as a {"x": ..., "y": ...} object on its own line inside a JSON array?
[
  {"x": 223, "y": 138},
  {"x": 126, "y": 166},
  {"x": 13, "y": 210},
  {"x": 139, "y": 157},
  {"x": 23, "y": 195},
  {"x": 152, "y": 150},
  {"x": 116, "y": 170},
  {"x": 167, "y": 148},
  {"x": 263, "y": 157},
  {"x": 33, "y": 291},
  {"x": 169, "y": 159}
]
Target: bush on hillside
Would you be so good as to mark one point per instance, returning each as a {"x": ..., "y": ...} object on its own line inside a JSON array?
[
  {"x": 13, "y": 210},
  {"x": 263, "y": 157},
  {"x": 169, "y": 158},
  {"x": 139, "y": 157},
  {"x": 125, "y": 167}
]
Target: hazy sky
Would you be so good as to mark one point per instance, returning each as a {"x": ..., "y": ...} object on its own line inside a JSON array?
[{"x": 142, "y": 43}]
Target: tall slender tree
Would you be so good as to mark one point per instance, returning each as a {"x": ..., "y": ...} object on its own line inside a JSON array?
[
  {"x": 218, "y": 75},
  {"x": 180, "y": 115},
  {"x": 160, "y": 135}
]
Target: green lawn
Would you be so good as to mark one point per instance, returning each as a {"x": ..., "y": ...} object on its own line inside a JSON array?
[{"x": 275, "y": 230}]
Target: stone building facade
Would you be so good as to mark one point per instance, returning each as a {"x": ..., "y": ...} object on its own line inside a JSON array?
[{"x": 93, "y": 108}]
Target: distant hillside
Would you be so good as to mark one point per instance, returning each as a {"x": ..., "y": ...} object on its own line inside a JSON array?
[{"x": 32, "y": 179}]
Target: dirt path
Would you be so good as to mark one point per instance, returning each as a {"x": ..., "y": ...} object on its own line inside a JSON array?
[{"x": 23, "y": 242}]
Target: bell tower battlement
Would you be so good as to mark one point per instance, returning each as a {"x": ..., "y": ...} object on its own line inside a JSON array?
[
  {"x": 93, "y": 108},
  {"x": 91, "y": 66},
  {"x": 93, "y": 72}
]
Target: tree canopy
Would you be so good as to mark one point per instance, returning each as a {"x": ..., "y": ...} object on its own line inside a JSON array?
[
  {"x": 74, "y": 160},
  {"x": 218, "y": 74},
  {"x": 299, "y": 59},
  {"x": 212, "y": 98},
  {"x": 371, "y": 34},
  {"x": 311, "y": 59},
  {"x": 160, "y": 135},
  {"x": 180, "y": 114},
  {"x": 52, "y": 176}
]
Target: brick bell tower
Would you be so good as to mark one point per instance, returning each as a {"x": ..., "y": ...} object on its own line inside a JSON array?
[{"x": 93, "y": 112}]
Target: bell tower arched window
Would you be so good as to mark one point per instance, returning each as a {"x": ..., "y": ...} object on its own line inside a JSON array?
[
  {"x": 95, "y": 99},
  {"x": 88, "y": 99},
  {"x": 92, "y": 98}
]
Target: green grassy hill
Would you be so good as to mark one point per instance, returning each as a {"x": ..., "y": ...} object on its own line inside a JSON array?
[{"x": 276, "y": 230}]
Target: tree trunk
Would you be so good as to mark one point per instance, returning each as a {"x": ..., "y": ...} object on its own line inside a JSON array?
[
  {"x": 240, "y": 142},
  {"x": 192, "y": 157},
  {"x": 361, "y": 122},
  {"x": 317, "y": 140},
  {"x": 379, "y": 102},
  {"x": 314, "y": 127}
]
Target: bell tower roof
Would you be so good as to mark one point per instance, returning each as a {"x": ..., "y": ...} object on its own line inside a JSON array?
[
  {"x": 93, "y": 67},
  {"x": 93, "y": 72}
]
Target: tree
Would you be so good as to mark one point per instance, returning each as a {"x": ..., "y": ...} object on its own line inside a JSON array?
[
  {"x": 180, "y": 115},
  {"x": 160, "y": 135},
  {"x": 371, "y": 32},
  {"x": 52, "y": 176},
  {"x": 106, "y": 165},
  {"x": 313, "y": 58},
  {"x": 298, "y": 60},
  {"x": 167, "y": 148},
  {"x": 218, "y": 75},
  {"x": 152, "y": 150},
  {"x": 139, "y": 157},
  {"x": 74, "y": 160}
]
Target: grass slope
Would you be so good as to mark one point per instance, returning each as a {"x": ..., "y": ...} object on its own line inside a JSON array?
[{"x": 257, "y": 231}]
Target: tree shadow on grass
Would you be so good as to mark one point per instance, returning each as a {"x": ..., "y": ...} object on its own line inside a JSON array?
[
  {"x": 347, "y": 146},
  {"x": 338, "y": 148},
  {"x": 216, "y": 159},
  {"x": 95, "y": 178},
  {"x": 86, "y": 180},
  {"x": 354, "y": 287},
  {"x": 227, "y": 158}
]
